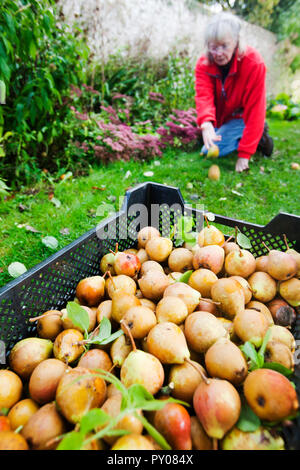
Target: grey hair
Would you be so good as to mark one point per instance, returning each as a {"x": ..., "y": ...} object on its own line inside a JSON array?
[{"x": 222, "y": 25}]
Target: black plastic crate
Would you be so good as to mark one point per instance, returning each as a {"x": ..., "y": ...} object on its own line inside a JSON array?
[{"x": 52, "y": 283}]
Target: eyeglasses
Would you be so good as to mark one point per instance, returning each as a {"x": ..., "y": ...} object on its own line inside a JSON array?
[{"x": 222, "y": 48}]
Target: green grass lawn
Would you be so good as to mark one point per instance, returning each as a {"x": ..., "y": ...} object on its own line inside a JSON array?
[{"x": 269, "y": 187}]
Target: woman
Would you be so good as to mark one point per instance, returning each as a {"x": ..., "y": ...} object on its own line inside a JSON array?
[{"x": 231, "y": 93}]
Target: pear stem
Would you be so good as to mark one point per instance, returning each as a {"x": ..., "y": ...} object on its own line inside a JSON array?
[
  {"x": 266, "y": 246},
  {"x": 286, "y": 242},
  {"x": 116, "y": 249},
  {"x": 112, "y": 368},
  {"x": 207, "y": 223},
  {"x": 215, "y": 444},
  {"x": 45, "y": 315},
  {"x": 228, "y": 240},
  {"x": 128, "y": 332},
  {"x": 111, "y": 278},
  {"x": 236, "y": 233},
  {"x": 203, "y": 376}
]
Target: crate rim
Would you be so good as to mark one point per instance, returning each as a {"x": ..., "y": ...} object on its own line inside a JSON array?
[{"x": 123, "y": 210}]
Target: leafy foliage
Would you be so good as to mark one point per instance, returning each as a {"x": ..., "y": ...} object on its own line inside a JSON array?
[
  {"x": 39, "y": 60},
  {"x": 283, "y": 107},
  {"x": 134, "y": 399}
]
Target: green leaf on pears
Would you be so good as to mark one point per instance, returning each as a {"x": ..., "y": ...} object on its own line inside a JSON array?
[
  {"x": 78, "y": 315},
  {"x": 262, "y": 349},
  {"x": 72, "y": 441},
  {"x": 250, "y": 352},
  {"x": 104, "y": 335},
  {"x": 181, "y": 231},
  {"x": 243, "y": 241},
  {"x": 185, "y": 277},
  {"x": 112, "y": 337},
  {"x": 248, "y": 420},
  {"x": 93, "y": 419},
  {"x": 161, "y": 441},
  {"x": 278, "y": 367}
]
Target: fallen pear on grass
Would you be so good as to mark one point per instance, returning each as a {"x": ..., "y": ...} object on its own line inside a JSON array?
[{"x": 214, "y": 173}]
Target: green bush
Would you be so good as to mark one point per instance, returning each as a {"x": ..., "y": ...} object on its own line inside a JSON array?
[
  {"x": 39, "y": 60},
  {"x": 283, "y": 107}
]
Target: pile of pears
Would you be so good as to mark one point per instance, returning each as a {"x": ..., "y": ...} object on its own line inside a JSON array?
[{"x": 181, "y": 339}]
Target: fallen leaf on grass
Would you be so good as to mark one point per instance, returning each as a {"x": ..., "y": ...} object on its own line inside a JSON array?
[
  {"x": 148, "y": 173},
  {"x": 22, "y": 208},
  {"x": 56, "y": 202},
  {"x": 16, "y": 269},
  {"x": 237, "y": 193},
  {"x": 210, "y": 216},
  {"x": 127, "y": 174},
  {"x": 50, "y": 242},
  {"x": 64, "y": 231},
  {"x": 29, "y": 228},
  {"x": 99, "y": 189}
]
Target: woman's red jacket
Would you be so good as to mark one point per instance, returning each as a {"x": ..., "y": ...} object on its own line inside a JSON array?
[{"x": 243, "y": 95}]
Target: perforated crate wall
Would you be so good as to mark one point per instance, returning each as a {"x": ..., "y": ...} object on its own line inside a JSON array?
[{"x": 52, "y": 283}]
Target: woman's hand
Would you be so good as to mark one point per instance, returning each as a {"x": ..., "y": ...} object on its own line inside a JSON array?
[
  {"x": 242, "y": 164},
  {"x": 209, "y": 135}
]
